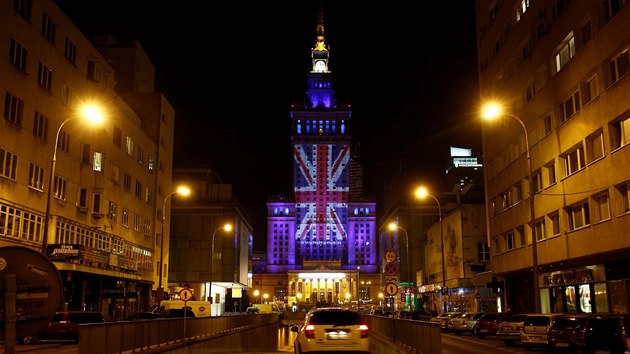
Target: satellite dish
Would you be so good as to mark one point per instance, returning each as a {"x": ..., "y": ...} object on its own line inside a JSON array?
[{"x": 39, "y": 290}]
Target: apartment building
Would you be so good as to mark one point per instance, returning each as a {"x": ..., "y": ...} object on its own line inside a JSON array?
[
  {"x": 560, "y": 68},
  {"x": 109, "y": 182}
]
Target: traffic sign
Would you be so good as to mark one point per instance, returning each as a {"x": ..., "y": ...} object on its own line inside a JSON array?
[
  {"x": 185, "y": 294},
  {"x": 391, "y": 289},
  {"x": 391, "y": 279},
  {"x": 391, "y": 268},
  {"x": 390, "y": 255}
]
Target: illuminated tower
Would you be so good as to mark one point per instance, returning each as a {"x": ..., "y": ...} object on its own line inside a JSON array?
[{"x": 331, "y": 220}]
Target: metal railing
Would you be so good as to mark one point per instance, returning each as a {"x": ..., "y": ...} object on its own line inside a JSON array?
[
  {"x": 411, "y": 335},
  {"x": 163, "y": 335}
]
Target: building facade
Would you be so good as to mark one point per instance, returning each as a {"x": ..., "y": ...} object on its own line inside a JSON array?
[
  {"x": 205, "y": 256},
  {"x": 108, "y": 181},
  {"x": 561, "y": 69},
  {"x": 323, "y": 236}
]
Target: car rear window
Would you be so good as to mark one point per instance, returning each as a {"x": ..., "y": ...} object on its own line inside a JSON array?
[
  {"x": 342, "y": 318},
  {"x": 569, "y": 322},
  {"x": 517, "y": 318},
  {"x": 537, "y": 321},
  {"x": 489, "y": 317}
]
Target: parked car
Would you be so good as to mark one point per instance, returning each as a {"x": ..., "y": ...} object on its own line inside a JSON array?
[
  {"x": 143, "y": 316},
  {"x": 489, "y": 323},
  {"x": 421, "y": 315},
  {"x": 252, "y": 310},
  {"x": 332, "y": 330},
  {"x": 565, "y": 328},
  {"x": 174, "y": 313},
  {"x": 605, "y": 333},
  {"x": 64, "y": 325},
  {"x": 443, "y": 318},
  {"x": 535, "y": 329},
  {"x": 464, "y": 323},
  {"x": 510, "y": 330}
]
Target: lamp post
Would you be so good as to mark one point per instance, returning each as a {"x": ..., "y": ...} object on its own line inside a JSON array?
[
  {"x": 183, "y": 191},
  {"x": 422, "y": 193},
  {"x": 491, "y": 111},
  {"x": 358, "y": 287},
  {"x": 393, "y": 227},
  {"x": 94, "y": 115},
  {"x": 227, "y": 228},
  {"x": 257, "y": 294}
]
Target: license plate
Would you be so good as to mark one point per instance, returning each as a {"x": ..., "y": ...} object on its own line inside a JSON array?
[
  {"x": 562, "y": 344},
  {"x": 483, "y": 330},
  {"x": 336, "y": 335}
]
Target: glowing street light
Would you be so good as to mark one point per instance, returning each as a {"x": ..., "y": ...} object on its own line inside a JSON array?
[
  {"x": 227, "y": 228},
  {"x": 184, "y": 192},
  {"x": 491, "y": 111},
  {"x": 257, "y": 294},
  {"x": 421, "y": 193},
  {"x": 93, "y": 114},
  {"x": 266, "y": 297}
]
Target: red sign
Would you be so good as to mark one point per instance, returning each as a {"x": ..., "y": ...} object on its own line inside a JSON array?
[{"x": 391, "y": 268}]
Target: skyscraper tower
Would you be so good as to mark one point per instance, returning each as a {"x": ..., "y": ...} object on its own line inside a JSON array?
[{"x": 327, "y": 226}]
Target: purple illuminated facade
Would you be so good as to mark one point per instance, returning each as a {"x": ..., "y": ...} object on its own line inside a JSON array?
[{"x": 327, "y": 222}]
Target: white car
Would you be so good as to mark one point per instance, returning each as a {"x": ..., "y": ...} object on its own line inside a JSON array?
[{"x": 332, "y": 329}]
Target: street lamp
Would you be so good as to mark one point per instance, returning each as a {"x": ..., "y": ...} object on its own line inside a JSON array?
[
  {"x": 227, "y": 228},
  {"x": 266, "y": 297},
  {"x": 493, "y": 110},
  {"x": 358, "y": 287},
  {"x": 422, "y": 193},
  {"x": 257, "y": 294},
  {"x": 184, "y": 192},
  {"x": 93, "y": 114}
]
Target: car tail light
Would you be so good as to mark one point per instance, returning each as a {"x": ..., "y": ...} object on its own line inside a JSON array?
[
  {"x": 309, "y": 331},
  {"x": 364, "y": 330}
]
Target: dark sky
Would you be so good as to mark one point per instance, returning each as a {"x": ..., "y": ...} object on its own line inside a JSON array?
[{"x": 232, "y": 69}]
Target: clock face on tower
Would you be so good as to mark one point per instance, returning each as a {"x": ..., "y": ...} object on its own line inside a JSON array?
[{"x": 320, "y": 66}]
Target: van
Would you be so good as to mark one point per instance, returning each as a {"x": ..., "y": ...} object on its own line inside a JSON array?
[
  {"x": 535, "y": 329},
  {"x": 199, "y": 308}
]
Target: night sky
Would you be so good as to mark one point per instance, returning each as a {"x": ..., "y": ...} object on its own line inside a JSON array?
[{"x": 232, "y": 69}]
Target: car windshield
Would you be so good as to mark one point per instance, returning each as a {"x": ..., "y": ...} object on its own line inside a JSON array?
[
  {"x": 340, "y": 318},
  {"x": 536, "y": 321},
  {"x": 489, "y": 317}
]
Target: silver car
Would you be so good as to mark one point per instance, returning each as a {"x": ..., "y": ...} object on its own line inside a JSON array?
[{"x": 464, "y": 323}]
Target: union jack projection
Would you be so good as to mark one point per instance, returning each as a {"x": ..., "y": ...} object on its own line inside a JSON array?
[{"x": 321, "y": 191}]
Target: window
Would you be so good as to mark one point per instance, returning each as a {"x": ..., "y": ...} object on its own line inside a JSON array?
[
  {"x": 151, "y": 164},
  {"x": 537, "y": 181},
  {"x": 619, "y": 66},
  {"x": 127, "y": 182},
  {"x": 83, "y": 198},
  {"x": 48, "y": 28},
  {"x": 138, "y": 189},
  {"x": 85, "y": 154},
  {"x": 129, "y": 146},
  {"x": 509, "y": 240},
  {"x": 573, "y": 161},
  {"x": 520, "y": 234},
  {"x": 93, "y": 71},
  {"x": 548, "y": 124},
  {"x": 66, "y": 95},
  {"x": 550, "y": 172},
  {"x": 140, "y": 156},
  {"x": 601, "y": 207},
  {"x": 98, "y": 161},
  {"x": 554, "y": 221},
  {"x": 520, "y": 10},
  {"x": 36, "y": 177},
  {"x": 63, "y": 143},
  {"x": 578, "y": 216},
  {"x": 70, "y": 51},
  {"x": 40, "y": 126},
  {"x": 595, "y": 147},
  {"x": 570, "y": 106},
  {"x": 13, "y": 109},
  {"x": 619, "y": 132},
  {"x": 517, "y": 193},
  {"x": 589, "y": 89},
  {"x": 23, "y": 8},
  {"x": 565, "y": 52},
  {"x": 111, "y": 214},
  {"x": 8, "y": 164},
  {"x": 17, "y": 55},
  {"x": 96, "y": 203},
  {"x": 483, "y": 251},
  {"x": 115, "y": 175},
  {"x": 125, "y": 217},
  {"x": 623, "y": 191},
  {"x": 59, "y": 187},
  {"x": 44, "y": 77},
  {"x": 530, "y": 91},
  {"x": 506, "y": 197},
  {"x": 117, "y": 136},
  {"x": 540, "y": 230}
]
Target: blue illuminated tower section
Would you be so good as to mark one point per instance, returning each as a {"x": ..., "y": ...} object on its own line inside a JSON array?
[{"x": 321, "y": 172}]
